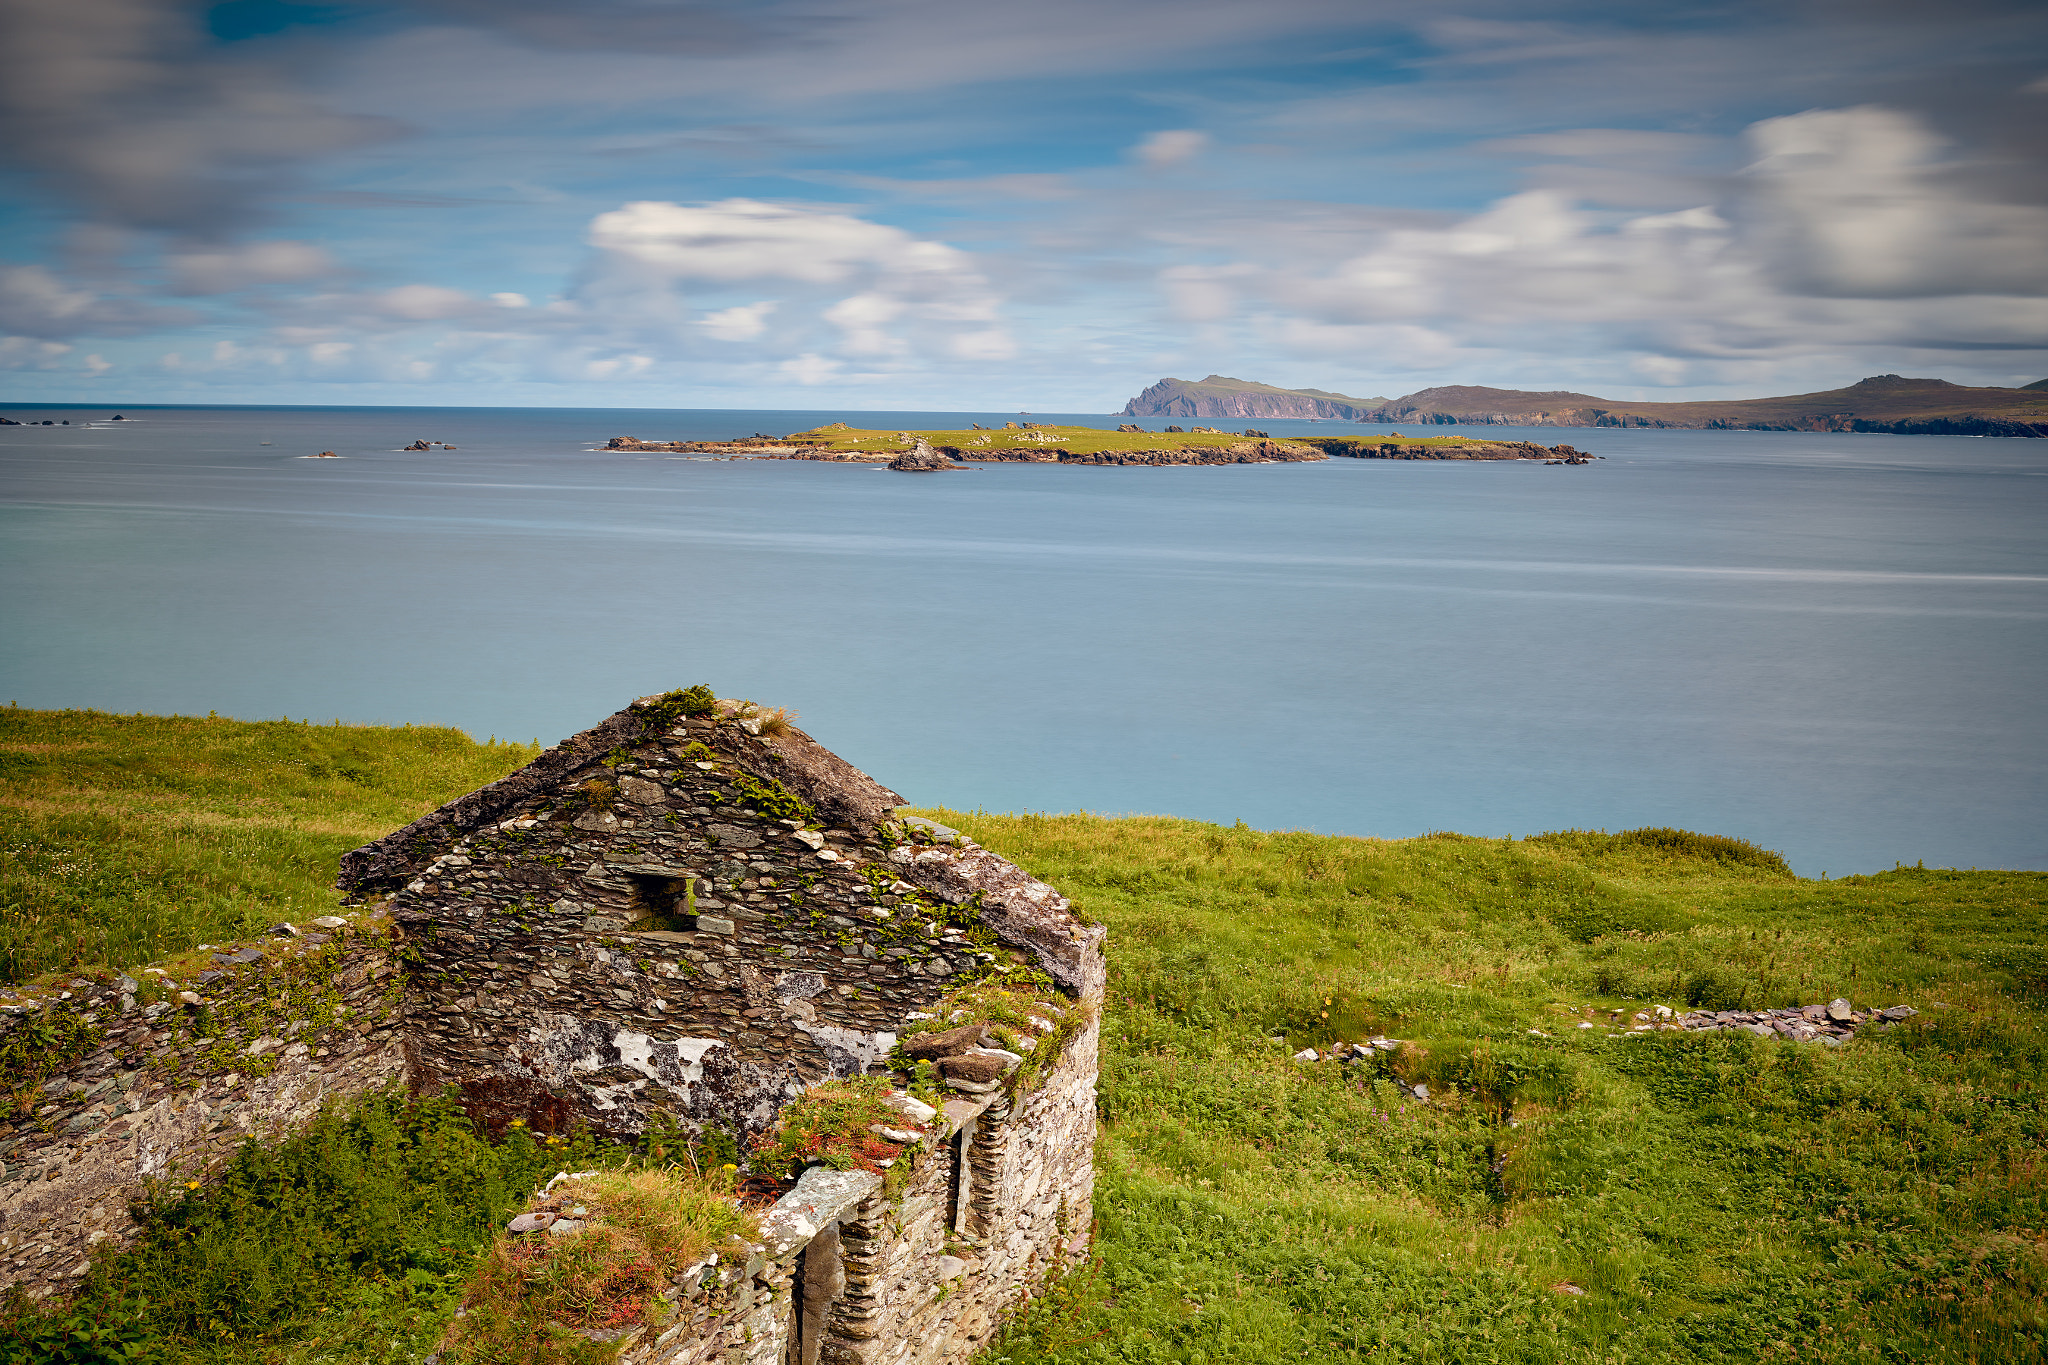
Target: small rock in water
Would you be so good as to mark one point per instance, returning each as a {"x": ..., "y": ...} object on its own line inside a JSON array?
[{"x": 921, "y": 459}]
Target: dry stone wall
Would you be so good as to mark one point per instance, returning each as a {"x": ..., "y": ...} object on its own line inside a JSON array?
[{"x": 161, "y": 1079}]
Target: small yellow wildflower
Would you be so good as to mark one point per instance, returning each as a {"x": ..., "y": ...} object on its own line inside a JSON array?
[{"x": 191, "y": 1184}]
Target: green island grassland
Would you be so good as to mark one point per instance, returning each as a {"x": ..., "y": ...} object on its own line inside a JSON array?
[
  {"x": 1045, "y": 441},
  {"x": 1565, "y": 1194}
]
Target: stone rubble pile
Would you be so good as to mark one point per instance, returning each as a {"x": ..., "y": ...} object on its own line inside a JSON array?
[{"x": 1833, "y": 1023}]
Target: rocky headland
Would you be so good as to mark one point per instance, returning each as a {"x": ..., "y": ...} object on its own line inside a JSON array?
[{"x": 1881, "y": 403}]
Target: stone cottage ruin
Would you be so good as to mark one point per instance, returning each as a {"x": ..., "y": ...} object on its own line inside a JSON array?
[{"x": 684, "y": 917}]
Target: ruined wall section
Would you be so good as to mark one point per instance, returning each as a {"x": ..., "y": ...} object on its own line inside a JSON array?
[
  {"x": 929, "y": 1278},
  {"x": 172, "y": 1073},
  {"x": 648, "y": 933},
  {"x": 850, "y": 1269}
]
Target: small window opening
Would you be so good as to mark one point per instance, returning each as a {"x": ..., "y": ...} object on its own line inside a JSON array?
[{"x": 663, "y": 903}]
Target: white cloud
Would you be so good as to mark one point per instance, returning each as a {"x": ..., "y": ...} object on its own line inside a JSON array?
[
  {"x": 810, "y": 369},
  {"x": 424, "y": 303},
  {"x": 1847, "y": 232},
  {"x": 1170, "y": 147},
  {"x": 745, "y": 239},
  {"x": 1856, "y": 203},
  {"x": 910, "y": 293},
  {"x": 617, "y": 367},
  {"x": 26, "y": 353},
  {"x": 511, "y": 300},
  {"x": 741, "y": 322},
  {"x": 34, "y": 301},
  {"x": 223, "y": 270},
  {"x": 862, "y": 318}
]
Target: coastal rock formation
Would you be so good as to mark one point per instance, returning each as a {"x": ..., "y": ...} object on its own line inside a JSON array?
[
  {"x": 921, "y": 459},
  {"x": 1240, "y": 452},
  {"x": 1394, "y": 448}
]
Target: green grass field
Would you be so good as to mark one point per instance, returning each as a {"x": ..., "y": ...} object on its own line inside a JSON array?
[
  {"x": 1564, "y": 1195},
  {"x": 130, "y": 838}
]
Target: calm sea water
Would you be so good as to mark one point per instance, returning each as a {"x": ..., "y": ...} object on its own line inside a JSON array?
[{"x": 1831, "y": 644}]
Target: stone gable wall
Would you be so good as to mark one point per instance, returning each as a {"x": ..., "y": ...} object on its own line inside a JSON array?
[{"x": 671, "y": 951}]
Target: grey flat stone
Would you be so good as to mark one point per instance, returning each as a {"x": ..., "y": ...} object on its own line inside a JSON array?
[
  {"x": 530, "y": 1222},
  {"x": 821, "y": 1196}
]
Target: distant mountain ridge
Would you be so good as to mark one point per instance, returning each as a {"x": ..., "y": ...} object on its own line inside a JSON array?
[
  {"x": 1218, "y": 396},
  {"x": 1884, "y": 403}
]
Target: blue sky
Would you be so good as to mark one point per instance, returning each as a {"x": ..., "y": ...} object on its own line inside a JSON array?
[{"x": 902, "y": 203}]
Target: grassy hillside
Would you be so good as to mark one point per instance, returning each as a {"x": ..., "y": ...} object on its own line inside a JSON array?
[
  {"x": 1567, "y": 1194},
  {"x": 1564, "y": 1194},
  {"x": 132, "y": 837}
]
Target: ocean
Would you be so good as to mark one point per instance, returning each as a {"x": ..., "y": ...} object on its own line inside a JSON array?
[{"x": 1831, "y": 645}]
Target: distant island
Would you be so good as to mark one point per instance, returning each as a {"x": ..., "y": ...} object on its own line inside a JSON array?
[
  {"x": 1882, "y": 403},
  {"x": 1130, "y": 444}
]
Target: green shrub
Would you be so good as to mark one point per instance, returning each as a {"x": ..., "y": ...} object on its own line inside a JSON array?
[
  {"x": 677, "y": 704},
  {"x": 1717, "y": 848},
  {"x": 358, "y": 1228},
  {"x": 1716, "y": 988}
]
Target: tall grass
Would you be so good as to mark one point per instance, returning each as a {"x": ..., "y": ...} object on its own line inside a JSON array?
[
  {"x": 128, "y": 838},
  {"x": 1563, "y": 1195}
]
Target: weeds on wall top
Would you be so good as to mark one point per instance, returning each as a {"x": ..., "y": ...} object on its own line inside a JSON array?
[
  {"x": 635, "y": 1233},
  {"x": 676, "y": 705},
  {"x": 832, "y": 1125},
  {"x": 1022, "y": 1010}
]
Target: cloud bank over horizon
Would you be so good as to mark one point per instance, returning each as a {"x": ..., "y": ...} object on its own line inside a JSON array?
[{"x": 904, "y": 204}]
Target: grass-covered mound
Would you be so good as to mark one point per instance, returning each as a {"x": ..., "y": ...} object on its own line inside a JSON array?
[
  {"x": 1564, "y": 1194},
  {"x": 130, "y": 838}
]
